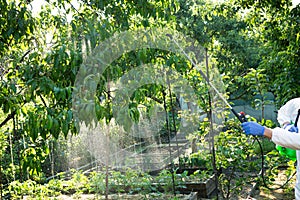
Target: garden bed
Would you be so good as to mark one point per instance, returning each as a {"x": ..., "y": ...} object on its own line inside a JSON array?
[
  {"x": 204, "y": 189},
  {"x": 151, "y": 196}
]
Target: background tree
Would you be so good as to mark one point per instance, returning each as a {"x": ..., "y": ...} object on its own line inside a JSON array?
[
  {"x": 275, "y": 24},
  {"x": 39, "y": 62}
]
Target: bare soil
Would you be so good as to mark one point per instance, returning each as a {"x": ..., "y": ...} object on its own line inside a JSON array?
[{"x": 263, "y": 193}]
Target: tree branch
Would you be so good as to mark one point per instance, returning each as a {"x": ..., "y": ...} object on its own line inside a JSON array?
[
  {"x": 25, "y": 54},
  {"x": 43, "y": 100},
  {"x": 9, "y": 117}
]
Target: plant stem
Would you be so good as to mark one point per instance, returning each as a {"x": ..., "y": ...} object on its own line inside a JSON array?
[{"x": 1, "y": 178}]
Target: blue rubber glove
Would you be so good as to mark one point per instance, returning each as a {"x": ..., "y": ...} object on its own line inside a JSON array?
[
  {"x": 291, "y": 128},
  {"x": 253, "y": 128}
]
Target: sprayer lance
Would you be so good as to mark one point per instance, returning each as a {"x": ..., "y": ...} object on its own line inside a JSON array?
[{"x": 207, "y": 79}]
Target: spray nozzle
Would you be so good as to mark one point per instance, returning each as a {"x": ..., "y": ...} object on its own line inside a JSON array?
[{"x": 242, "y": 115}]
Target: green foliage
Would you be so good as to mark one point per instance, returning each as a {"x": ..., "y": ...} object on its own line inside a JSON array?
[
  {"x": 3, "y": 138},
  {"x": 14, "y": 31},
  {"x": 131, "y": 182},
  {"x": 78, "y": 183},
  {"x": 235, "y": 154},
  {"x": 165, "y": 180},
  {"x": 238, "y": 156},
  {"x": 255, "y": 45},
  {"x": 278, "y": 26},
  {"x": 42, "y": 57},
  {"x": 29, "y": 188},
  {"x": 257, "y": 85},
  {"x": 194, "y": 161},
  {"x": 97, "y": 183},
  {"x": 242, "y": 35}
]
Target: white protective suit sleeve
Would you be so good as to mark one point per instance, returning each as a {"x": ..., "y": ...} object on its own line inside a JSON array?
[
  {"x": 288, "y": 114},
  {"x": 286, "y": 139}
]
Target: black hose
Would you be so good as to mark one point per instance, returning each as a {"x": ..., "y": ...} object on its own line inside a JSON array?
[
  {"x": 297, "y": 118},
  {"x": 263, "y": 170}
]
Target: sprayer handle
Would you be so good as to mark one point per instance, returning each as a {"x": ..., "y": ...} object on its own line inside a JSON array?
[{"x": 241, "y": 117}]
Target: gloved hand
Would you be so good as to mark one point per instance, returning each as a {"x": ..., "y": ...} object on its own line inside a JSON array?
[
  {"x": 253, "y": 128},
  {"x": 291, "y": 128}
]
